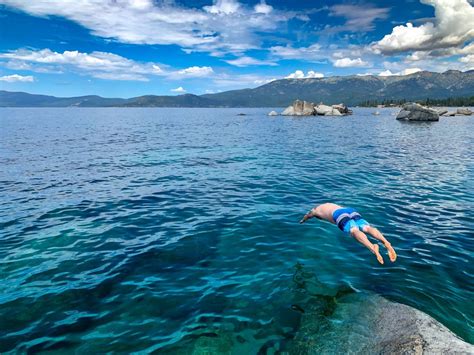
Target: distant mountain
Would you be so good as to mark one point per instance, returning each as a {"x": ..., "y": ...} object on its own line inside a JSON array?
[
  {"x": 187, "y": 100},
  {"x": 351, "y": 90},
  {"x": 23, "y": 99}
]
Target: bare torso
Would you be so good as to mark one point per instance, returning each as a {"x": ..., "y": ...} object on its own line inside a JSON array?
[{"x": 325, "y": 211}]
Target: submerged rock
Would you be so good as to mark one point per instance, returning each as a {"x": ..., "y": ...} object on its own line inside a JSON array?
[
  {"x": 464, "y": 111},
  {"x": 273, "y": 113},
  {"x": 366, "y": 324},
  {"x": 416, "y": 112}
]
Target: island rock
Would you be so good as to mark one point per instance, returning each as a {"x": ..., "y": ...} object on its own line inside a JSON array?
[
  {"x": 299, "y": 108},
  {"x": 305, "y": 108},
  {"x": 416, "y": 112},
  {"x": 464, "y": 111}
]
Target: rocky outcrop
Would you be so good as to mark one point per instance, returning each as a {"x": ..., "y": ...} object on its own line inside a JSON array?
[
  {"x": 305, "y": 108},
  {"x": 416, "y": 112},
  {"x": 464, "y": 111},
  {"x": 376, "y": 326},
  {"x": 273, "y": 113}
]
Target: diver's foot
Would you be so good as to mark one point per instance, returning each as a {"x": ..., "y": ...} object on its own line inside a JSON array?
[
  {"x": 391, "y": 252},
  {"x": 377, "y": 254}
]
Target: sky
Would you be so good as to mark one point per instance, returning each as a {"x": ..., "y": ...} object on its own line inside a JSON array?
[{"x": 127, "y": 48}]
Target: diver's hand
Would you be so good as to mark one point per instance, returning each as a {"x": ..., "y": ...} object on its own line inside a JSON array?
[{"x": 306, "y": 217}]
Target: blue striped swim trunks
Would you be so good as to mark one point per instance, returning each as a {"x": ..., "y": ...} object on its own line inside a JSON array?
[{"x": 348, "y": 218}]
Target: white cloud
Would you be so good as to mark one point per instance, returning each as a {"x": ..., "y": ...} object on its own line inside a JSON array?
[
  {"x": 263, "y": 81},
  {"x": 227, "y": 26},
  {"x": 263, "y": 8},
  {"x": 179, "y": 90},
  {"x": 452, "y": 27},
  {"x": 223, "y": 7},
  {"x": 348, "y": 62},
  {"x": 17, "y": 78},
  {"x": 407, "y": 71},
  {"x": 299, "y": 74},
  {"x": 102, "y": 65},
  {"x": 196, "y": 72},
  {"x": 307, "y": 53},
  {"x": 247, "y": 61},
  {"x": 467, "y": 59}
]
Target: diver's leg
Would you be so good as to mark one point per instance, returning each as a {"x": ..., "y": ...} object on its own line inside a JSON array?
[
  {"x": 362, "y": 238},
  {"x": 374, "y": 232}
]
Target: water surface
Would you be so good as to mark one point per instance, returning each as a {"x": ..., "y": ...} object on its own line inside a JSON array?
[{"x": 176, "y": 230}]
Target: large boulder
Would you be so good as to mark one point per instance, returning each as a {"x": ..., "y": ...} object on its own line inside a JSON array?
[
  {"x": 305, "y": 108},
  {"x": 342, "y": 109},
  {"x": 299, "y": 108},
  {"x": 273, "y": 113},
  {"x": 464, "y": 111},
  {"x": 323, "y": 110},
  {"x": 416, "y": 112},
  {"x": 369, "y": 324}
]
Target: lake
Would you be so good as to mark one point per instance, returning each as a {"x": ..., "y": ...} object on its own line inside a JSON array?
[{"x": 165, "y": 229}]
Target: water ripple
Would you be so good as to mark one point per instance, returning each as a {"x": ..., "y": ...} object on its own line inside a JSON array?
[{"x": 175, "y": 230}]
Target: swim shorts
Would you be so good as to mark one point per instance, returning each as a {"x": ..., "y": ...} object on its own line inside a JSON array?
[{"x": 348, "y": 218}]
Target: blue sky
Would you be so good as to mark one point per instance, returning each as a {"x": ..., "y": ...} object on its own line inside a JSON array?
[{"x": 125, "y": 48}]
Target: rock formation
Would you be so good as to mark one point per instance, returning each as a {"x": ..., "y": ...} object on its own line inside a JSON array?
[
  {"x": 416, "y": 112},
  {"x": 273, "y": 113},
  {"x": 305, "y": 108},
  {"x": 369, "y": 324},
  {"x": 464, "y": 111}
]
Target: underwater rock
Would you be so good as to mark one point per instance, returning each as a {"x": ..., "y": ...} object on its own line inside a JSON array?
[{"x": 369, "y": 324}]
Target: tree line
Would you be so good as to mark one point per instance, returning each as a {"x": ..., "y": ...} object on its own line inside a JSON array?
[{"x": 451, "y": 101}]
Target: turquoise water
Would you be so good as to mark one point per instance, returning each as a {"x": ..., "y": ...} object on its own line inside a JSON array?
[{"x": 176, "y": 230}]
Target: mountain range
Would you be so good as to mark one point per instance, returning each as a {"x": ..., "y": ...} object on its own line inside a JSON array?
[{"x": 351, "y": 90}]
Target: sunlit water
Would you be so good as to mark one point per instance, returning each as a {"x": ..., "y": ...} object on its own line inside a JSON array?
[{"x": 176, "y": 230}]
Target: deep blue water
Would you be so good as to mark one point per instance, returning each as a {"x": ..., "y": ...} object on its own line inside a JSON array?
[{"x": 165, "y": 229}]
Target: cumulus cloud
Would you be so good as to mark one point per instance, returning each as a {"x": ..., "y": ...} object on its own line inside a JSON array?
[
  {"x": 179, "y": 90},
  {"x": 17, "y": 78},
  {"x": 348, "y": 62},
  {"x": 263, "y": 8},
  {"x": 223, "y": 7},
  {"x": 452, "y": 26},
  {"x": 227, "y": 26},
  {"x": 248, "y": 61},
  {"x": 299, "y": 74},
  {"x": 407, "y": 71}
]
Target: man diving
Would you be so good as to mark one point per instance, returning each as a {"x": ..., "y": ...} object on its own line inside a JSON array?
[{"x": 350, "y": 221}]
